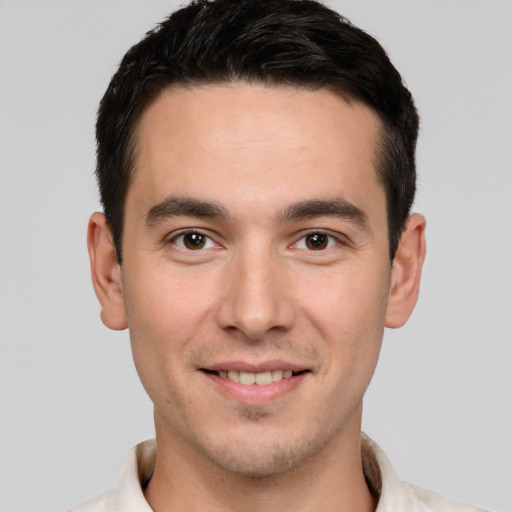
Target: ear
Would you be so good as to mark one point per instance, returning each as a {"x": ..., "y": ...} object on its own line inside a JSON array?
[
  {"x": 406, "y": 272},
  {"x": 106, "y": 272}
]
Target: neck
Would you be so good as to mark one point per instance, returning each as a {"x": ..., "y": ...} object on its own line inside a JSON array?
[{"x": 331, "y": 480}]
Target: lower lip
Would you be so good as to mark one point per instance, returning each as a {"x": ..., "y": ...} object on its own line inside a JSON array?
[{"x": 254, "y": 393}]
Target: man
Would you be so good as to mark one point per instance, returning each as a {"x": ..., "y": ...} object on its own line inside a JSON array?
[{"x": 256, "y": 167}]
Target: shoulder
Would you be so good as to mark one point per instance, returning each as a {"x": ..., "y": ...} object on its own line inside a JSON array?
[
  {"x": 395, "y": 495},
  {"x": 422, "y": 500},
  {"x": 128, "y": 495},
  {"x": 103, "y": 503}
]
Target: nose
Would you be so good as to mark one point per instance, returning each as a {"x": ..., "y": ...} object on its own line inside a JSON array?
[{"x": 257, "y": 296}]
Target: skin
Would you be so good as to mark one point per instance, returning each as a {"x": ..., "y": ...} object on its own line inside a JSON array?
[{"x": 257, "y": 175}]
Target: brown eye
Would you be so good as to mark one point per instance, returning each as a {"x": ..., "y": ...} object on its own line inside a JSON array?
[
  {"x": 316, "y": 241},
  {"x": 193, "y": 241}
]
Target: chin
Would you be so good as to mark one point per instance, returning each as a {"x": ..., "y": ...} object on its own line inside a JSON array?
[{"x": 259, "y": 460}]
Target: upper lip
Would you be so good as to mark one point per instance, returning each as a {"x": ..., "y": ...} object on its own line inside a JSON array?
[{"x": 244, "y": 366}]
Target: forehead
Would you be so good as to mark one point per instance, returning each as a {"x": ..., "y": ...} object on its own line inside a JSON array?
[{"x": 202, "y": 139}]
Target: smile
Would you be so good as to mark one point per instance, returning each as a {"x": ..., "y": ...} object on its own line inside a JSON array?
[
  {"x": 261, "y": 379},
  {"x": 262, "y": 385}
]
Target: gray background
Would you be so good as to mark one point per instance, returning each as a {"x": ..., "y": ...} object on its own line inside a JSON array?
[{"x": 70, "y": 402}]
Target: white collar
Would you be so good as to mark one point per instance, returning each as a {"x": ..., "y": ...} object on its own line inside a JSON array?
[{"x": 394, "y": 495}]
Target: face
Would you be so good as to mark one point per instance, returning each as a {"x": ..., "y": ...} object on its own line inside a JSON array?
[{"x": 256, "y": 277}]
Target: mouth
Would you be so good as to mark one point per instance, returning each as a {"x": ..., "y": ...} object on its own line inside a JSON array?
[
  {"x": 264, "y": 378},
  {"x": 255, "y": 384}
]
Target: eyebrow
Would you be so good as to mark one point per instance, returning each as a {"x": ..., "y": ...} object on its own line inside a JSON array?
[
  {"x": 173, "y": 206},
  {"x": 337, "y": 207}
]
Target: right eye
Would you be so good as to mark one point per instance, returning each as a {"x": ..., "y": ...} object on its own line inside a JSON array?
[
  {"x": 193, "y": 241},
  {"x": 316, "y": 241}
]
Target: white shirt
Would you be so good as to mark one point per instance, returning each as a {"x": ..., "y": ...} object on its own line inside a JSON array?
[{"x": 395, "y": 496}]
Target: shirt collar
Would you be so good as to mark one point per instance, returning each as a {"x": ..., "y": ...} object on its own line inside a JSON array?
[
  {"x": 381, "y": 477},
  {"x": 140, "y": 464},
  {"x": 136, "y": 473}
]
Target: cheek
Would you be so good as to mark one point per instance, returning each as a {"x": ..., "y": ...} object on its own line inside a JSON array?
[
  {"x": 348, "y": 311},
  {"x": 165, "y": 312},
  {"x": 165, "y": 303}
]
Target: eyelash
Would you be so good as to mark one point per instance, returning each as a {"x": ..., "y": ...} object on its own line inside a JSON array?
[
  {"x": 331, "y": 241},
  {"x": 210, "y": 243},
  {"x": 207, "y": 239}
]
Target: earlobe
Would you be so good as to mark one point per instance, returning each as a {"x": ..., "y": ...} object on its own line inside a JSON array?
[
  {"x": 106, "y": 272},
  {"x": 406, "y": 272}
]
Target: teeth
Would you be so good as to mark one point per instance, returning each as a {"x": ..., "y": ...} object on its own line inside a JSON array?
[
  {"x": 247, "y": 378},
  {"x": 277, "y": 375},
  {"x": 261, "y": 379},
  {"x": 234, "y": 376}
]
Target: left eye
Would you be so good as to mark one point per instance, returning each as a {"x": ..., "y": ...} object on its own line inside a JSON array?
[
  {"x": 316, "y": 242},
  {"x": 193, "y": 241}
]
